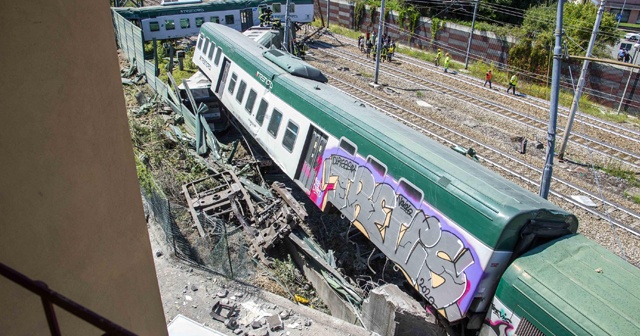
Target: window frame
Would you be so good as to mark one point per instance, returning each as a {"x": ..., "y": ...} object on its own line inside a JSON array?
[
  {"x": 169, "y": 23},
  {"x": 183, "y": 20},
  {"x": 250, "y": 101},
  {"x": 199, "y": 19},
  {"x": 218, "y": 54},
  {"x": 261, "y": 113},
  {"x": 295, "y": 135},
  {"x": 200, "y": 42},
  {"x": 350, "y": 143},
  {"x": 274, "y": 134},
  {"x": 212, "y": 47},
  {"x": 278, "y": 5},
  {"x": 232, "y": 82},
  {"x": 227, "y": 17},
  {"x": 242, "y": 88},
  {"x": 153, "y": 24},
  {"x": 214, "y": 19}
]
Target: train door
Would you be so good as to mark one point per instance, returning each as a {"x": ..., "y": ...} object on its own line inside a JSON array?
[
  {"x": 315, "y": 145},
  {"x": 222, "y": 80},
  {"x": 246, "y": 18}
]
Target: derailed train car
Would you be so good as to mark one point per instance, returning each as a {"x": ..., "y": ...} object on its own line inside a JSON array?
[{"x": 452, "y": 226}]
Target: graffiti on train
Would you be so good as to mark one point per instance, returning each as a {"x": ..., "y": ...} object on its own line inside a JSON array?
[{"x": 422, "y": 242}]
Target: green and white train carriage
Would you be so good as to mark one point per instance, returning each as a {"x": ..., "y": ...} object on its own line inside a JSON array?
[
  {"x": 169, "y": 22},
  {"x": 451, "y": 225}
]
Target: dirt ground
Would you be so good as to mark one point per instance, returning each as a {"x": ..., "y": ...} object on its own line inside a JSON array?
[{"x": 192, "y": 292}]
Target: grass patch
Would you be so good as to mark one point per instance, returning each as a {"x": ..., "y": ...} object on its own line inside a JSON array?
[{"x": 615, "y": 169}]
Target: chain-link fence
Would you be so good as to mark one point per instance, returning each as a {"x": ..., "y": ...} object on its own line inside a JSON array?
[{"x": 223, "y": 249}]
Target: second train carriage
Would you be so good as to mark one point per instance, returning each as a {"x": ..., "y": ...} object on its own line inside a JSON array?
[
  {"x": 162, "y": 22},
  {"x": 451, "y": 225}
]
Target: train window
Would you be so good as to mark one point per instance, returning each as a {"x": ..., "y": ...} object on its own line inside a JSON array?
[
  {"x": 214, "y": 19},
  {"x": 276, "y": 7},
  {"x": 211, "y": 49},
  {"x": 154, "y": 26},
  {"x": 185, "y": 23},
  {"x": 274, "y": 123},
  {"x": 206, "y": 46},
  {"x": 290, "y": 136},
  {"x": 199, "y": 21},
  {"x": 218, "y": 53},
  {"x": 347, "y": 146},
  {"x": 292, "y": 7},
  {"x": 262, "y": 109},
  {"x": 169, "y": 25},
  {"x": 232, "y": 82},
  {"x": 228, "y": 19},
  {"x": 200, "y": 40},
  {"x": 251, "y": 100},
  {"x": 376, "y": 165},
  {"x": 241, "y": 88},
  {"x": 409, "y": 190}
]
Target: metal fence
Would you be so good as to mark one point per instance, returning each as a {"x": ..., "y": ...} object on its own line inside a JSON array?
[{"x": 223, "y": 250}]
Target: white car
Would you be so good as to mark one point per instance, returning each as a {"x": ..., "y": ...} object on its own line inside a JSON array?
[{"x": 632, "y": 36}]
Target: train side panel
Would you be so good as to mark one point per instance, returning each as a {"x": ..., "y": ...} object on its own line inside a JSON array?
[{"x": 570, "y": 286}]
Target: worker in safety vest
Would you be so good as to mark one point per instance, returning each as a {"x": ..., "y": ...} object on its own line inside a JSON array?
[
  {"x": 390, "y": 53},
  {"x": 383, "y": 53},
  {"x": 446, "y": 62},
  {"x": 487, "y": 78},
  {"x": 438, "y": 57},
  {"x": 265, "y": 17},
  {"x": 512, "y": 84}
]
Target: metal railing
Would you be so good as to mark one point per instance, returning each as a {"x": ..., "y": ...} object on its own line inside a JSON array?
[{"x": 50, "y": 298}]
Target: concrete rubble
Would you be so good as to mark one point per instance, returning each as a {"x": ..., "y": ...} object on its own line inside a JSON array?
[{"x": 390, "y": 311}]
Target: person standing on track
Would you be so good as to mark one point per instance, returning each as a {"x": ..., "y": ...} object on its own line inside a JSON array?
[
  {"x": 487, "y": 78},
  {"x": 446, "y": 62},
  {"x": 369, "y": 45},
  {"x": 361, "y": 43},
  {"x": 512, "y": 84},
  {"x": 438, "y": 57}
]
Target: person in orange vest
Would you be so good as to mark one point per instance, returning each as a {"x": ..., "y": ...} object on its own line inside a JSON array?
[{"x": 487, "y": 78}]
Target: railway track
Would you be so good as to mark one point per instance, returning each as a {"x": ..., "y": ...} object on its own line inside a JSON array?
[
  {"x": 602, "y": 133},
  {"x": 607, "y": 152}
]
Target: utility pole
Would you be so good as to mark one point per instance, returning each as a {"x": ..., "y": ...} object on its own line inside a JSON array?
[
  {"x": 287, "y": 29},
  {"x": 328, "y": 6},
  {"x": 553, "y": 109},
  {"x": 620, "y": 14},
  {"x": 633, "y": 61},
  {"x": 473, "y": 24},
  {"x": 581, "y": 81},
  {"x": 379, "y": 42}
]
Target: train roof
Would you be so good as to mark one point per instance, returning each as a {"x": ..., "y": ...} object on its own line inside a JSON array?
[
  {"x": 573, "y": 286},
  {"x": 460, "y": 188},
  {"x": 153, "y": 11}
]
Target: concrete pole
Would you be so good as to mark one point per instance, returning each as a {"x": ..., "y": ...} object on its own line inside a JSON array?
[
  {"x": 328, "y": 6},
  {"x": 379, "y": 42},
  {"x": 287, "y": 29},
  {"x": 633, "y": 59},
  {"x": 473, "y": 24},
  {"x": 581, "y": 81},
  {"x": 553, "y": 109},
  {"x": 621, "y": 11}
]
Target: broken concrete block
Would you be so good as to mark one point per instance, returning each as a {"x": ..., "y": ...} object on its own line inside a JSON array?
[
  {"x": 274, "y": 322},
  {"x": 237, "y": 331},
  {"x": 222, "y": 293},
  {"x": 259, "y": 332},
  {"x": 390, "y": 311},
  {"x": 256, "y": 324},
  {"x": 194, "y": 288}
]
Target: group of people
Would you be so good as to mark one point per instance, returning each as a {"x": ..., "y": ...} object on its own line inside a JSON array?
[
  {"x": 512, "y": 82},
  {"x": 266, "y": 20},
  {"x": 368, "y": 44},
  {"x": 624, "y": 56},
  {"x": 447, "y": 59}
]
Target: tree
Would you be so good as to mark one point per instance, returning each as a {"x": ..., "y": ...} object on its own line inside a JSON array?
[{"x": 536, "y": 36}]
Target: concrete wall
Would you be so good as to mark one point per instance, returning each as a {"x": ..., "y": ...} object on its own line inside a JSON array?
[
  {"x": 605, "y": 83},
  {"x": 70, "y": 206}
]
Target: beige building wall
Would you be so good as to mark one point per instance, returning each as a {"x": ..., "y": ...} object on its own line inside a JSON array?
[{"x": 70, "y": 209}]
